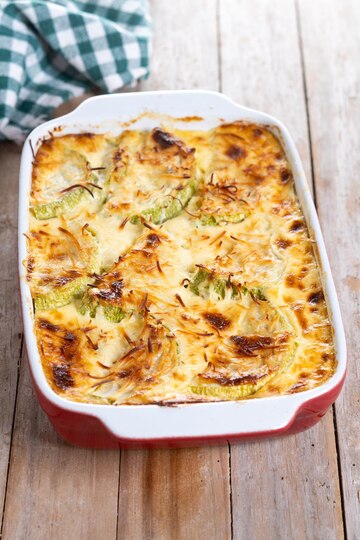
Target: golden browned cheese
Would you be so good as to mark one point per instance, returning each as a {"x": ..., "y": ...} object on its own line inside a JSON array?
[{"x": 174, "y": 267}]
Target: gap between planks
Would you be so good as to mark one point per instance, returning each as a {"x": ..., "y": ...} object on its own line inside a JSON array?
[
  {"x": 230, "y": 493},
  {"x": 341, "y": 20},
  {"x": 303, "y": 69},
  {"x": 303, "y": 65},
  {"x": 308, "y": 116},
  {"x": 19, "y": 362}
]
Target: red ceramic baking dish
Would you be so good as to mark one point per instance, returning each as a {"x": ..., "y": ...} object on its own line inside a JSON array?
[{"x": 111, "y": 426}]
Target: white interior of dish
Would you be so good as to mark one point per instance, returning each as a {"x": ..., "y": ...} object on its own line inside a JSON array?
[{"x": 109, "y": 113}]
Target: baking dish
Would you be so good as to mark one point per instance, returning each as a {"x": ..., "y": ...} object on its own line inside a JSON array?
[{"x": 109, "y": 426}]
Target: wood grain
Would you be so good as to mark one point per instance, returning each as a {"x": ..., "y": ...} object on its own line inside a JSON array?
[
  {"x": 331, "y": 52},
  {"x": 184, "y": 46},
  {"x": 55, "y": 490},
  {"x": 178, "y": 494},
  {"x": 286, "y": 488},
  {"x": 11, "y": 326},
  {"x": 261, "y": 63}
]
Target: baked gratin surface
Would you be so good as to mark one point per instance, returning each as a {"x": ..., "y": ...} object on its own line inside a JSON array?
[{"x": 174, "y": 267}]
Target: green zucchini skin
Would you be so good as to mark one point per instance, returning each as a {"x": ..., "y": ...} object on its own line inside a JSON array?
[
  {"x": 204, "y": 282},
  {"x": 88, "y": 304},
  {"x": 230, "y": 393},
  {"x": 213, "y": 220},
  {"x": 85, "y": 303},
  {"x": 64, "y": 204},
  {"x": 113, "y": 314},
  {"x": 61, "y": 296},
  {"x": 67, "y": 202},
  {"x": 101, "y": 295},
  {"x": 168, "y": 210}
]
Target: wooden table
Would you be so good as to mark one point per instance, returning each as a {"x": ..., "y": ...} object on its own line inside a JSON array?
[{"x": 300, "y": 62}]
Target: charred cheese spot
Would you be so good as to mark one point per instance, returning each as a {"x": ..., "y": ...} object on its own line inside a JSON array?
[
  {"x": 257, "y": 132},
  {"x": 62, "y": 376},
  {"x": 316, "y": 297},
  {"x": 285, "y": 175},
  {"x": 283, "y": 243},
  {"x": 216, "y": 320},
  {"x": 48, "y": 325},
  {"x": 152, "y": 240},
  {"x": 167, "y": 140},
  {"x": 178, "y": 268},
  {"x": 108, "y": 287},
  {"x": 297, "y": 226},
  {"x": 236, "y": 152}
]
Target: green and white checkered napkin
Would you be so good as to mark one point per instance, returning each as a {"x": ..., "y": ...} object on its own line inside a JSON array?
[{"x": 53, "y": 50}]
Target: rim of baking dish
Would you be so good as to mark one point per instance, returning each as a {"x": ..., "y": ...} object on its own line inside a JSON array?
[{"x": 211, "y": 419}]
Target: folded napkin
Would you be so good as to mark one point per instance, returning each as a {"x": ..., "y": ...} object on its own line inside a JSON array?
[{"x": 53, "y": 50}]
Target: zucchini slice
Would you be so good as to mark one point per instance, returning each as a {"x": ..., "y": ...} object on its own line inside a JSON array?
[
  {"x": 64, "y": 187},
  {"x": 68, "y": 202},
  {"x": 256, "y": 340},
  {"x": 63, "y": 258},
  {"x": 149, "y": 358},
  {"x": 154, "y": 173},
  {"x": 69, "y": 169},
  {"x": 233, "y": 383}
]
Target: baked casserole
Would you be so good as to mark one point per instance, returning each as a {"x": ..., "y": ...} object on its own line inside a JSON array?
[{"x": 172, "y": 266}]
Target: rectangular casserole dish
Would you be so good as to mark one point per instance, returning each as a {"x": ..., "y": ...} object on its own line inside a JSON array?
[{"x": 110, "y": 426}]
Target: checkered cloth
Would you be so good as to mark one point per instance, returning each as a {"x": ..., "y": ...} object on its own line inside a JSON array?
[{"x": 53, "y": 50}]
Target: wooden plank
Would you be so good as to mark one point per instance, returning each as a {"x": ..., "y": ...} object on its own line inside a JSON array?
[
  {"x": 285, "y": 488},
  {"x": 11, "y": 327},
  {"x": 261, "y": 63},
  {"x": 178, "y": 494},
  {"x": 54, "y": 490},
  {"x": 184, "y": 46},
  {"x": 331, "y": 40}
]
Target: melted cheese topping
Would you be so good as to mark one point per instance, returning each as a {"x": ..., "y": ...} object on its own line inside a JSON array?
[{"x": 174, "y": 267}]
